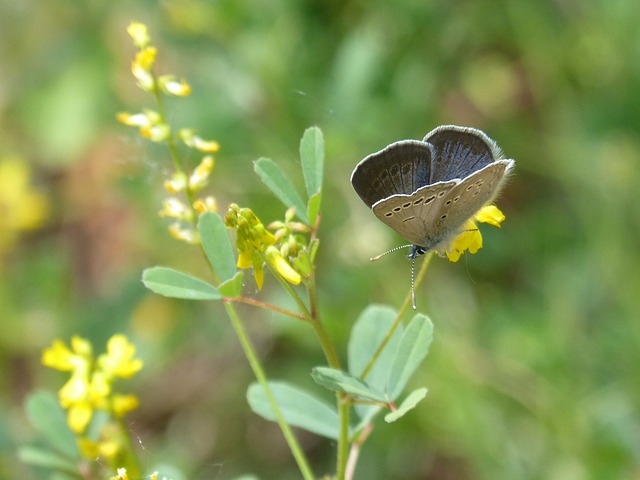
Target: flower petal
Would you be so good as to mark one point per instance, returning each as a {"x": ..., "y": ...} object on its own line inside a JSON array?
[{"x": 490, "y": 214}]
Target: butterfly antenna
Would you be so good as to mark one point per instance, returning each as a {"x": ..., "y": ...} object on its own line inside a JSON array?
[
  {"x": 378, "y": 257},
  {"x": 413, "y": 291}
]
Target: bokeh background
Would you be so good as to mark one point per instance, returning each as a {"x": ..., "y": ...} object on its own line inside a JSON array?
[{"x": 534, "y": 372}]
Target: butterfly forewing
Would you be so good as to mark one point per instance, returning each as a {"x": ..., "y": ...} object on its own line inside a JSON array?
[
  {"x": 400, "y": 168},
  {"x": 459, "y": 152}
]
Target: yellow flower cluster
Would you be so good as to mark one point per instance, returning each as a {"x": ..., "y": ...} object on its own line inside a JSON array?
[
  {"x": 90, "y": 385},
  {"x": 153, "y": 126},
  {"x": 255, "y": 245},
  {"x": 470, "y": 238}
]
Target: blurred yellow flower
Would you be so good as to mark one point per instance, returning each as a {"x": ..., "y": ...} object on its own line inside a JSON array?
[
  {"x": 119, "y": 360},
  {"x": 190, "y": 139},
  {"x": 139, "y": 33},
  {"x": 200, "y": 175},
  {"x": 206, "y": 204},
  {"x": 122, "y": 475},
  {"x": 174, "y": 208},
  {"x": 170, "y": 85},
  {"x": 22, "y": 206},
  {"x": 185, "y": 234},
  {"x": 142, "y": 66},
  {"x": 90, "y": 385}
]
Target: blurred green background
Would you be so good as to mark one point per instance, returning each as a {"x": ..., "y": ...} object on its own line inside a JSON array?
[{"x": 534, "y": 372}]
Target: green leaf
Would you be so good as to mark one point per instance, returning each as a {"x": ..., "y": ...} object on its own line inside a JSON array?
[
  {"x": 50, "y": 421},
  {"x": 313, "y": 208},
  {"x": 339, "y": 381},
  {"x": 282, "y": 187},
  {"x": 217, "y": 245},
  {"x": 367, "y": 334},
  {"x": 312, "y": 159},
  {"x": 409, "y": 404},
  {"x": 299, "y": 408},
  {"x": 38, "y": 457},
  {"x": 232, "y": 287},
  {"x": 172, "y": 283},
  {"x": 412, "y": 350}
]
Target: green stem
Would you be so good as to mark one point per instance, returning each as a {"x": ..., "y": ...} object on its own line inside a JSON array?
[
  {"x": 265, "y": 305},
  {"x": 344, "y": 408},
  {"x": 260, "y": 375},
  {"x": 396, "y": 322},
  {"x": 342, "y": 399}
]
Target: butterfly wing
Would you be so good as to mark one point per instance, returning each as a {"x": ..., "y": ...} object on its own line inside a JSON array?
[
  {"x": 413, "y": 216},
  {"x": 435, "y": 213},
  {"x": 400, "y": 168},
  {"x": 459, "y": 152},
  {"x": 466, "y": 198}
]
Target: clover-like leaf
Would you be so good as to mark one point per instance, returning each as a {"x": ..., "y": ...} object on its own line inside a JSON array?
[
  {"x": 408, "y": 404},
  {"x": 299, "y": 408},
  {"x": 280, "y": 184},
  {"x": 412, "y": 350},
  {"x": 339, "y": 381},
  {"x": 216, "y": 244},
  {"x": 172, "y": 283},
  {"x": 312, "y": 159}
]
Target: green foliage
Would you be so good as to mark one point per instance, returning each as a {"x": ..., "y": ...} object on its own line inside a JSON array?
[
  {"x": 299, "y": 407},
  {"x": 61, "y": 452},
  {"x": 280, "y": 184},
  {"x": 217, "y": 245},
  {"x": 172, "y": 283}
]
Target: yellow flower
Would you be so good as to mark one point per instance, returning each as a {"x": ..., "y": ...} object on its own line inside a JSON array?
[
  {"x": 60, "y": 357},
  {"x": 169, "y": 84},
  {"x": 201, "y": 174},
  {"x": 174, "y": 208},
  {"x": 206, "y": 204},
  {"x": 252, "y": 239},
  {"x": 156, "y": 133},
  {"x": 122, "y": 404},
  {"x": 282, "y": 266},
  {"x": 190, "y": 139},
  {"x": 141, "y": 68},
  {"x": 119, "y": 360},
  {"x": 177, "y": 183},
  {"x": 122, "y": 475},
  {"x": 470, "y": 239},
  {"x": 134, "y": 120},
  {"x": 22, "y": 206},
  {"x": 89, "y": 387},
  {"x": 490, "y": 214},
  {"x": 140, "y": 34},
  {"x": 185, "y": 234}
]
